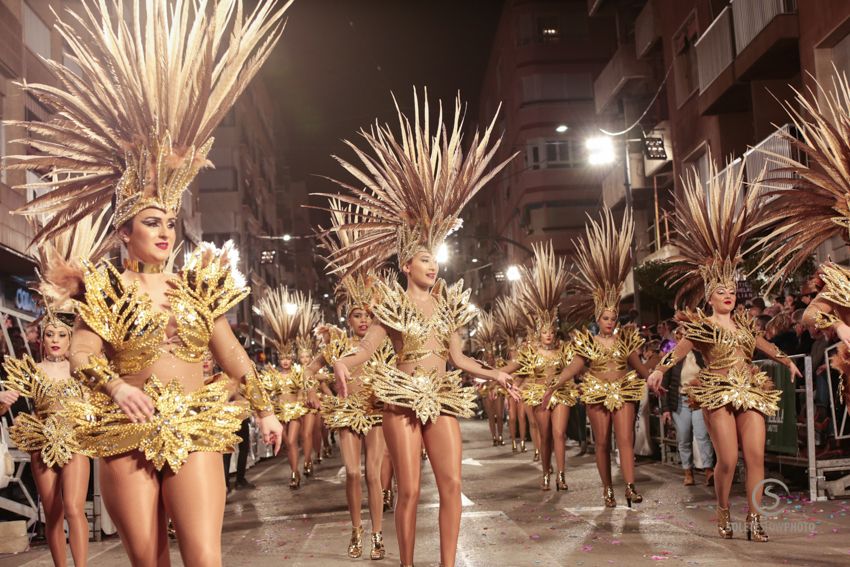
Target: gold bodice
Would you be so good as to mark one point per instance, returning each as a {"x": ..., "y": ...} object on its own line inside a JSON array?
[
  {"x": 721, "y": 348},
  {"x": 276, "y": 383},
  {"x": 603, "y": 358},
  {"x": 28, "y": 379},
  {"x": 423, "y": 336},
  {"x": 205, "y": 289},
  {"x": 538, "y": 367}
]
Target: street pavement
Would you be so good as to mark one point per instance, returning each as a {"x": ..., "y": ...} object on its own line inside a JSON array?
[{"x": 509, "y": 521}]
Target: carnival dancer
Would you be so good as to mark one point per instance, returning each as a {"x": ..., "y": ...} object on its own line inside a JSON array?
[
  {"x": 510, "y": 328},
  {"x": 492, "y": 397},
  {"x": 305, "y": 347}
]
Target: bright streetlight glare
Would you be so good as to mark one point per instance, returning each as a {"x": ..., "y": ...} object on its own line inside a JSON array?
[
  {"x": 442, "y": 254},
  {"x": 475, "y": 260},
  {"x": 512, "y": 274},
  {"x": 600, "y": 150},
  {"x": 561, "y": 128},
  {"x": 287, "y": 237}
]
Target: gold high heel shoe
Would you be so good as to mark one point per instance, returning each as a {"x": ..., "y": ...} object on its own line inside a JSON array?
[
  {"x": 608, "y": 495},
  {"x": 544, "y": 485},
  {"x": 295, "y": 481},
  {"x": 308, "y": 468},
  {"x": 355, "y": 546},
  {"x": 561, "y": 483},
  {"x": 327, "y": 452},
  {"x": 724, "y": 523},
  {"x": 536, "y": 455},
  {"x": 522, "y": 448},
  {"x": 513, "y": 446},
  {"x": 501, "y": 441},
  {"x": 388, "y": 500},
  {"x": 319, "y": 458},
  {"x": 378, "y": 550},
  {"x": 495, "y": 441},
  {"x": 632, "y": 495},
  {"x": 754, "y": 529}
]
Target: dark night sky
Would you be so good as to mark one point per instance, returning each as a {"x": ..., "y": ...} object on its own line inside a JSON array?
[{"x": 338, "y": 61}]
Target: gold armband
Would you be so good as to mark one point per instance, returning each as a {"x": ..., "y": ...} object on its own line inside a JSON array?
[
  {"x": 779, "y": 355},
  {"x": 257, "y": 396},
  {"x": 667, "y": 362},
  {"x": 825, "y": 320},
  {"x": 97, "y": 373}
]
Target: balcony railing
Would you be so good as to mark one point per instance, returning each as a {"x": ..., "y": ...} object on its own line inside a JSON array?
[
  {"x": 768, "y": 154},
  {"x": 661, "y": 231},
  {"x": 715, "y": 49},
  {"x": 622, "y": 68},
  {"x": 752, "y": 16}
]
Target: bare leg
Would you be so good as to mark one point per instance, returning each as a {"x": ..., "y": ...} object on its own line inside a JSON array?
[
  {"x": 349, "y": 447},
  {"x": 194, "y": 499},
  {"x": 292, "y": 430},
  {"x": 499, "y": 407},
  {"x": 624, "y": 429},
  {"x": 544, "y": 436},
  {"x": 307, "y": 426},
  {"x": 751, "y": 426},
  {"x": 386, "y": 469},
  {"x": 535, "y": 431},
  {"x": 49, "y": 489},
  {"x": 489, "y": 404},
  {"x": 560, "y": 418},
  {"x": 131, "y": 493},
  {"x": 375, "y": 449},
  {"x": 75, "y": 486},
  {"x": 443, "y": 442},
  {"x": 318, "y": 425},
  {"x": 724, "y": 435},
  {"x": 600, "y": 423},
  {"x": 403, "y": 434}
]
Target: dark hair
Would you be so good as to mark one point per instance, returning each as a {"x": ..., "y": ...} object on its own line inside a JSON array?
[{"x": 758, "y": 302}]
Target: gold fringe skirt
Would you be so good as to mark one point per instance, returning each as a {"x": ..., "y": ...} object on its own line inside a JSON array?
[
  {"x": 428, "y": 393},
  {"x": 613, "y": 395},
  {"x": 356, "y": 412},
  {"x": 183, "y": 423},
  {"x": 290, "y": 411},
  {"x": 54, "y": 435},
  {"x": 532, "y": 395},
  {"x": 744, "y": 388}
]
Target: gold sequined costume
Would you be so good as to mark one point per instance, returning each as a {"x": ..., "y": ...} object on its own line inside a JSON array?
[
  {"x": 611, "y": 393},
  {"x": 539, "y": 371},
  {"x": 288, "y": 392}
]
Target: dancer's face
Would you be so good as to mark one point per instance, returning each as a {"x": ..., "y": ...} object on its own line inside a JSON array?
[
  {"x": 304, "y": 358},
  {"x": 286, "y": 362},
  {"x": 722, "y": 300},
  {"x": 422, "y": 269},
  {"x": 607, "y": 322},
  {"x": 150, "y": 236},
  {"x": 547, "y": 337},
  {"x": 359, "y": 321},
  {"x": 57, "y": 340}
]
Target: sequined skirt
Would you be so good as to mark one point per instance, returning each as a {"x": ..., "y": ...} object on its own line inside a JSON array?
[
  {"x": 54, "y": 435},
  {"x": 614, "y": 394},
  {"x": 183, "y": 423},
  {"x": 744, "y": 388},
  {"x": 290, "y": 411},
  {"x": 356, "y": 412},
  {"x": 427, "y": 392}
]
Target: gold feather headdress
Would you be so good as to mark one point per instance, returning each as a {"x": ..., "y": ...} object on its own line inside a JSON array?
[
  {"x": 712, "y": 222},
  {"x": 308, "y": 319},
  {"x": 508, "y": 321},
  {"x": 279, "y": 308},
  {"x": 541, "y": 287},
  {"x": 416, "y": 184},
  {"x": 486, "y": 335},
  {"x": 603, "y": 260},
  {"x": 809, "y": 198},
  {"x": 133, "y": 119}
]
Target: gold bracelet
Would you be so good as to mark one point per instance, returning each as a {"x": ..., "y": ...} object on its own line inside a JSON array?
[
  {"x": 667, "y": 362},
  {"x": 97, "y": 373},
  {"x": 825, "y": 320},
  {"x": 253, "y": 391}
]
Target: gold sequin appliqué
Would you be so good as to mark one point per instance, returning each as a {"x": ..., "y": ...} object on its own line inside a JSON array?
[
  {"x": 428, "y": 393},
  {"x": 612, "y": 394}
]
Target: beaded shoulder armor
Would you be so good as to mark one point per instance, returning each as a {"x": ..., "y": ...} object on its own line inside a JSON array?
[
  {"x": 337, "y": 345},
  {"x": 720, "y": 346},
  {"x": 206, "y": 288},
  {"x": 396, "y": 311},
  {"x": 836, "y": 281},
  {"x": 23, "y": 375},
  {"x": 602, "y": 358},
  {"x": 534, "y": 365}
]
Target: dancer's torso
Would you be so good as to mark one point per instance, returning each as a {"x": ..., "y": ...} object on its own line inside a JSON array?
[{"x": 607, "y": 359}]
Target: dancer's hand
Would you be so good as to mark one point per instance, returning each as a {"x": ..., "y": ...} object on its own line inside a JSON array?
[
  {"x": 654, "y": 383},
  {"x": 666, "y": 417},
  {"x": 313, "y": 400},
  {"x": 133, "y": 401},
  {"x": 8, "y": 397},
  {"x": 271, "y": 430},
  {"x": 795, "y": 372},
  {"x": 843, "y": 332},
  {"x": 342, "y": 377},
  {"x": 547, "y": 397},
  {"x": 506, "y": 381}
]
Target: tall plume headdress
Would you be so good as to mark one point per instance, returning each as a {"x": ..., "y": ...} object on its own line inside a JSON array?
[
  {"x": 712, "y": 222},
  {"x": 414, "y": 184},
  {"x": 132, "y": 122},
  {"x": 486, "y": 334},
  {"x": 279, "y": 308},
  {"x": 541, "y": 287},
  {"x": 308, "y": 319},
  {"x": 809, "y": 197},
  {"x": 603, "y": 260},
  {"x": 508, "y": 321}
]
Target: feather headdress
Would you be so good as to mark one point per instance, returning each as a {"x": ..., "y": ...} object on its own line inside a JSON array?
[
  {"x": 416, "y": 184},
  {"x": 809, "y": 197},
  {"x": 508, "y": 321},
  {"x": 712, "y": 222},
  {"x": 486, "y": 335},
  {"x": 308, "y": 319},
  {"x": 603, "y": 260},
  {"x": 279, "y": 308},
  {"x": 133, "y": 118},
  {"x": 541, "y": 287}
]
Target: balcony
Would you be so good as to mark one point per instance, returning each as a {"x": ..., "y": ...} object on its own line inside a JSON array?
[
  {"x": 613, "y": 184},
  {"x": 624, "y": 74},
  {"x": 647, "y": 30},
  {"x": 720, "y": 90},
  {"x": 766, "y": 39},
  {"x": 11, "y": 42},
  {"x": 575, "y": 184},
  {"x": 764, "y": 156}
]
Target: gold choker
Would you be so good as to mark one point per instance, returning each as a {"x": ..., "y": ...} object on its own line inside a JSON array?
[{"x": 142, "y": 268}]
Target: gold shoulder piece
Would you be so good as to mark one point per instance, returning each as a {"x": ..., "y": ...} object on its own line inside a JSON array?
[
  {"x": 24, "y": 376},
  {"x": 584, "y": 345},
  {"x": 699, "y": 328},
  {"x": 529, "y": 362},
  {"x": 454, "y": 310},
  {"x": 338, "y": 345},
  {"x": 271, "y": 380},
  {"x": 630, "y": 340},
  {"x": 394, "y": 310},
  {"x": 836, "y": 281}
]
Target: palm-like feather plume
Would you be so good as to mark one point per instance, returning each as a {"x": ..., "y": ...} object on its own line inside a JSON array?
[
  {"x": 279, "y": 308},
  {"x": 541, "y": 286}
]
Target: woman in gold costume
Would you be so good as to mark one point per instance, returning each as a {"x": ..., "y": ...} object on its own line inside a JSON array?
[
  {"x": 288, "y": 387},
  {"x": 410, "y": 204},
  {"x": 543, "y": 357},
  {"x": 311, "y": 426},
  {"x": 506, "y": 314},
  {"x": 492, "y": 397},
  {"x": 613, "y": 380},
  {"x": 131, "y": 127},
  {"x": 712, "y": 221}
]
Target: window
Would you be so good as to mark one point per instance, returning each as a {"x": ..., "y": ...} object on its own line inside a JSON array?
[
  {"x": 36, "y": 33},
  {"x": 549, "y": 154},
  {"x": 217, "y": 180},
  {"x": 557, "y": 87}
]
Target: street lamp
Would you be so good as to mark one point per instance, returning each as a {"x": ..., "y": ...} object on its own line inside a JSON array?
[
  {"x": 600, "y": 150},
  {"x": 442, "y": 254},
  {"x": 287, "y": 237},
  {"x": 513, "y": 273},
  {"x": 561, "y": 128}
]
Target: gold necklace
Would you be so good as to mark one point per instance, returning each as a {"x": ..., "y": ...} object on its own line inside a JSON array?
[{"x": 141, "y": 268}]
